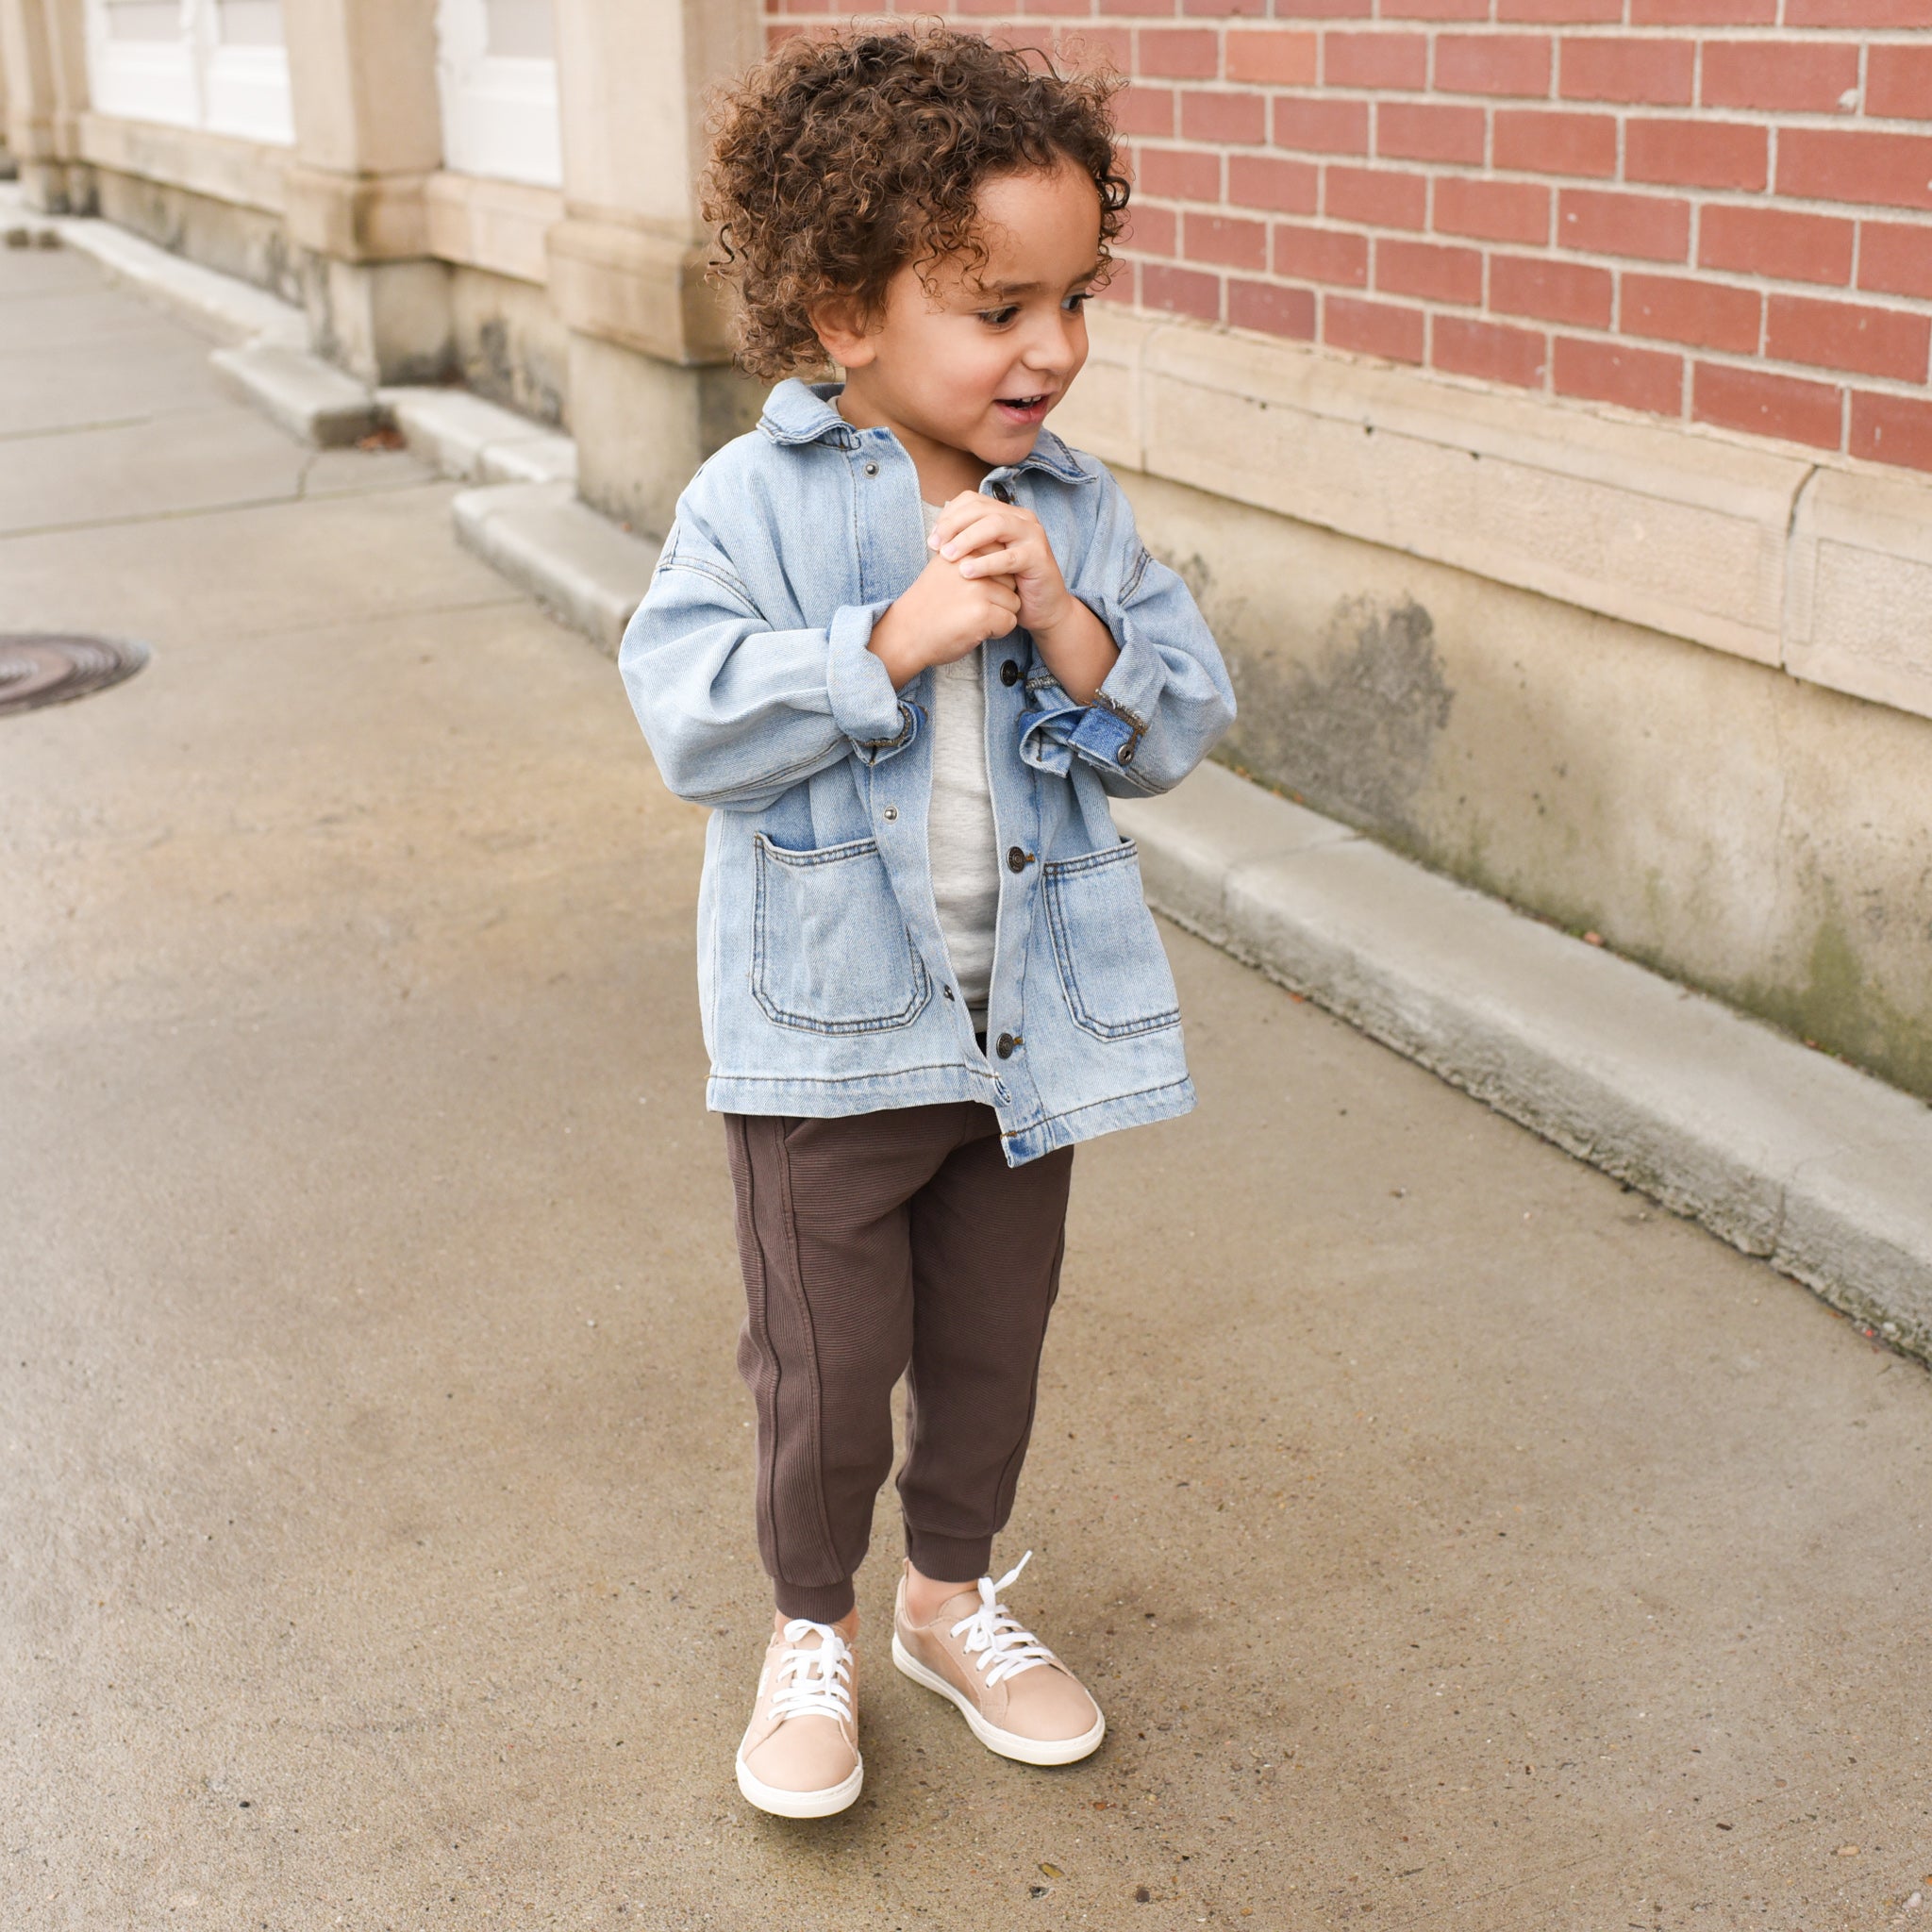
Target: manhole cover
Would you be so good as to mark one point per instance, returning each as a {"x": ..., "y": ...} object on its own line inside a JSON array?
[{"x": 48, "y": 668}]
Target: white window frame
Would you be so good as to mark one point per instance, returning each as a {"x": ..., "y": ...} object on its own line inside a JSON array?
[
  {"x": 500, "y": 112},
  {"x": 144, "y": 80},
  {"x": 192, "y": 80},
  {"x": 245, "y": 87}
]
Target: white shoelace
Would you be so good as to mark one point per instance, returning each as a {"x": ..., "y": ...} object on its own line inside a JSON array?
[
  {"x": 993, "y": 1635},
  {"x": 820, "y": 1682}
]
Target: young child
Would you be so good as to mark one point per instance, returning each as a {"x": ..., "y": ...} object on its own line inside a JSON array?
[{"x": 905, "y": 643}]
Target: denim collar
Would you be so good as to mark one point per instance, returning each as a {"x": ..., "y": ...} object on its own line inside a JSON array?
[{"x": 799, "y": 412}]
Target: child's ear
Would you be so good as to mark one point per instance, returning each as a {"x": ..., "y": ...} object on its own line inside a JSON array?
[{"x": 839, "y": 326}]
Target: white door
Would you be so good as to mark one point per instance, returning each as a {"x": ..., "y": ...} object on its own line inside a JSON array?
[
  {"x": 218, "y": 64},
  {"x": 496, "y": 66}
]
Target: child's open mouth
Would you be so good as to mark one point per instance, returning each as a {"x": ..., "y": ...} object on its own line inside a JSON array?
[{"x": 1022, "y": 408}]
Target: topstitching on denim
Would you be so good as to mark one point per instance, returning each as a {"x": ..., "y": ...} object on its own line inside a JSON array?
[{"x": 747, "y": 664}]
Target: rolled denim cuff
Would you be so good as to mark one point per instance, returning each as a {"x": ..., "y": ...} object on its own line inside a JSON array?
[
  {"x": 1045, "y": 733},
  {"x": 1050, "y": 737},
  {"x": 1132, "y": 688},
  {"x": 1104, "y": 736},
  {"x": 865, "y": 705},
  {"x": 910, "y": 718}
]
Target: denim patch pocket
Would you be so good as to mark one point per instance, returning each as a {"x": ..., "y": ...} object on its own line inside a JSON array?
[
  {"x": 1114, "y": 968},
  {"x": 830, "y": 952}
]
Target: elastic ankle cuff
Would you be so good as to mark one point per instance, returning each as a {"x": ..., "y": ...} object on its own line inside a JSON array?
[
  {"x": 820, "y": 1603},
  {"x": 948, "y": 1558}
]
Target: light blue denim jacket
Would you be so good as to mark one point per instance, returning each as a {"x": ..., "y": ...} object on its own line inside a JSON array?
[{"x": 823, "y": 974}]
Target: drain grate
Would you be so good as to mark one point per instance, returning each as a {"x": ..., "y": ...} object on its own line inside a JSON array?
[{"x": 49, "y": 667}]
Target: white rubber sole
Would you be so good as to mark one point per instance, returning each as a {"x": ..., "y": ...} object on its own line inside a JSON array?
[
  {"x": 779, "y": 1804},
  {"x": 1007, "y": 1743}
]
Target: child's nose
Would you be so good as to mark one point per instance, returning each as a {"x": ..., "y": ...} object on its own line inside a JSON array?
[{"x": 1051, "y": 347}]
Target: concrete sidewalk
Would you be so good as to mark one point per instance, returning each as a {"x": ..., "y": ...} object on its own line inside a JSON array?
[
  {"x": 1787, "y": 1154},
  {"x": 1455, "y": 1541}
]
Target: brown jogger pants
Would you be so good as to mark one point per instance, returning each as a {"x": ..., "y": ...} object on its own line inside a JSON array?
[{"x": 874, "y": 1244}]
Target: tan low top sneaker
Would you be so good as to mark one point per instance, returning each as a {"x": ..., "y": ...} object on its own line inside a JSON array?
[
  {"x": 800, "y": 1754},
  {"x": 1019, "y": 1698}
]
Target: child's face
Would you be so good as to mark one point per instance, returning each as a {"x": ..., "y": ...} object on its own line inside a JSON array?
[{"x": 975, "y": 363}]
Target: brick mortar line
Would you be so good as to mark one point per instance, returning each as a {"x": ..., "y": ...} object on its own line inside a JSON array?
[
  {"x": 1430, "y": 30},
  {"x": 1728, "y": 197},
  {"x": 1220, "y": 26},
  {"x": 1756, "y": 33},
  {"x": 1763, "y": 199},
  {"x": 1752, "y": 281},
  {"x": 1772, "y": 199},
  {"x": 1850, "y": 382},
  {"x": 1626, "y": 116},
  {"x": 1910, "y": 388},
  {"x": 1823, "y": 293},
  {"x": 1389, "y": 26},
  {"x": 1810, "y": 120}
]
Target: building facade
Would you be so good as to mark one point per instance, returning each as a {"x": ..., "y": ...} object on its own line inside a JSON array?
[{"x": 1534, "y": 391}]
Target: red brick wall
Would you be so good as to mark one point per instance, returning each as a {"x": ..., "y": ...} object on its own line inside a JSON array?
[{"x": 1711, "y": 210}]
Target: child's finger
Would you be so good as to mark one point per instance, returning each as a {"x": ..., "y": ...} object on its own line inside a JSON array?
[
  {"x": 1008, "y": 560},
  {"x": 968, "y": 502},
  {"x": 960, "y": 517},
  {"x": 969, "y": 505},
  {"x": 998, "y": 525}
]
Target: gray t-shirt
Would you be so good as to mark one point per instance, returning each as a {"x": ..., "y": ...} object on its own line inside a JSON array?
[{"x": 962, "y": 841}]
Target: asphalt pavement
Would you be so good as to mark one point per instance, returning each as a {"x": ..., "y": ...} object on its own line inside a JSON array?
[{"x": 1455, "y": 1539}]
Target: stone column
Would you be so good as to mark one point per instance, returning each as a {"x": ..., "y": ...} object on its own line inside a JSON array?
[
  {"x": 368, "y": 134},
  {"x": 651, "y": 389},
  {"x": 43, "y": 52}
]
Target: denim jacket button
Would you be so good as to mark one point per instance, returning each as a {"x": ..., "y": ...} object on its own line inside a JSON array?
[
  {"x": 872, "y": 469},
  {"x": 1016, "y": 859},
  {"x": 1009, "y": 672},
  {"x": 1004, "y": 1046},
  {"x": 1126, "y": 754},
  {"x": 1000, "y": 490},
  {"x": 891, "y": 814}
]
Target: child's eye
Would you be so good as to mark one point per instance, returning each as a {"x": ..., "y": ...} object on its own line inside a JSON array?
[
  {"x": 1076, "y": 303},
  {"x": 998, "y": 318}
]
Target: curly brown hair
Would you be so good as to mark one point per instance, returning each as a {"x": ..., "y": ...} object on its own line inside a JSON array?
[{"x": 844, "y": 155}]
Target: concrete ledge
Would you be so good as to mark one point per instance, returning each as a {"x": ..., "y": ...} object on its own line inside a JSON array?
[
  {"x": 216, "y": 305},
  {"x": 1716, "y": 539},
  {"x": 308, "y": 397},
  {"x": 1783, "y": 1152},
  {"x": 496, "y": 225},
  {"x": 550, "y": 457},
  {"x": 352, "y": 217},
  {"x": 528, "y": 523},
  {"x": 248, "y": 174},
  {"x": 578, "y": 564},
  {"x": 475, "y": 440},
  {"x": 637, "y": 288},
  {"x": 1860, "y": 589}
]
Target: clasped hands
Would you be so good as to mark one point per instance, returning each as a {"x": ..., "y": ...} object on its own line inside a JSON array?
[{"x": 992, "y": 569}]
